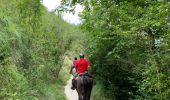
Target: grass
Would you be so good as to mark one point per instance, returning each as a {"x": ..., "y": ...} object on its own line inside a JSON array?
[
  {"x": 63, "y": 77},
  {"x": 97, "y": 92},
  {"x": 55, "y": 91}
]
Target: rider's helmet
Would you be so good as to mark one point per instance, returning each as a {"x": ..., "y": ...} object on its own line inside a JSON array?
[{"x": 81, "y": 55}]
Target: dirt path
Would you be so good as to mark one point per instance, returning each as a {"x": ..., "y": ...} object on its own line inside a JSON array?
[{"x": 70, "y": 94}]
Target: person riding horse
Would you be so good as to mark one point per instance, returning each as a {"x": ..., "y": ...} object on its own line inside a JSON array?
[
  {"x": 73, "y": 68},
  {"x": 83, "y": 81},
  {"x": 81, "y": 67}
]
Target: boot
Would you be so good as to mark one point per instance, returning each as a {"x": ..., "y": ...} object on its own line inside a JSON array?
[{"x": 72, "y": 87}]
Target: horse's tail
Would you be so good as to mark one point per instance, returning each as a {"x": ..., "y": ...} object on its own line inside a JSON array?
[{"x": 87, "y": 85}]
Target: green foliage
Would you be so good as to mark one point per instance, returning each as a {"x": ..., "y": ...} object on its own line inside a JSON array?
[
  {"x": 128, "y": 46},
  {"x": 33, "y": 43},
  {"x": 98, "y": 93},
  {"x": 13, "y": 84}
]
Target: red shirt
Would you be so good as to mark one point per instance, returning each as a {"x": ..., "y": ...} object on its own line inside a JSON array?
[
  {"x": 74, "y": 63},
  {"x": 82, "y": 65}
]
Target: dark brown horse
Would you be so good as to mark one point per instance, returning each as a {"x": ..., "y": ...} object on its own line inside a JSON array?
[{"x": 84, "y": 85}]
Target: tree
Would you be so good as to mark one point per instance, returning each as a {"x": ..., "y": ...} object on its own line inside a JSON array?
[{"x": 127, "y": 39}]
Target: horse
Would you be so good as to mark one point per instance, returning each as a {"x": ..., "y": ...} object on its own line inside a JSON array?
[{"x": 84, "y": 84}]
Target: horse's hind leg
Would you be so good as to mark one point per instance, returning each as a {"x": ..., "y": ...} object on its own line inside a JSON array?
[
  {"x": 88, "y": 93},
  {"x": 90, "y": 85},
  {"x": 80, "y": 90},
  {"x": 81, "y": 97}
]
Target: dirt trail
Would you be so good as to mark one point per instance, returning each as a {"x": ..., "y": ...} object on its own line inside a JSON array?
[{"x": 70, "y": 94}]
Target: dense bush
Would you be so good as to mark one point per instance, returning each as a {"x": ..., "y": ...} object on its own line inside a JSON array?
[
  {"x": 33, "y": 42},
  {"x": 128, "y": 46}
]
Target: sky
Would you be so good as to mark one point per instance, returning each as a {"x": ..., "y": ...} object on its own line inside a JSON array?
[{"x": 69, "y": 17}]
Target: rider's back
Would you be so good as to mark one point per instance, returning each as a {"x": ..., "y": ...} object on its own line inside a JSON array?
[{"x": 82, "y": 65}]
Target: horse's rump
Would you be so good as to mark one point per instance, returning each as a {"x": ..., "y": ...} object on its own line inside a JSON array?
[
  {"x": 84, "y": 86},
  {"x": 87, "y": 83}
]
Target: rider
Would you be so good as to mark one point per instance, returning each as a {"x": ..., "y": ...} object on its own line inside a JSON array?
[
  {"x": 82, "y": 66},
  {"x": 73, "y": 67}
]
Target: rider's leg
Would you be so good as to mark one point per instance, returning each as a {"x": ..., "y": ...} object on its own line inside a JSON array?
[
  {"x": 73, "y": 84},
  {"x": 74, "y": 81}
]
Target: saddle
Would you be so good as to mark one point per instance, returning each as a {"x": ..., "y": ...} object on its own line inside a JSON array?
[
  {"x": 81, "y": 75},
  {"x": 85, "y": 74}
]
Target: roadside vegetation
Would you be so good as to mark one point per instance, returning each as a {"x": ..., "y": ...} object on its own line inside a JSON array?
[
  {"x": 128, "y": 45},
  {"x": 33, "y": 43},
  {"x": 126, "y": 41}
]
